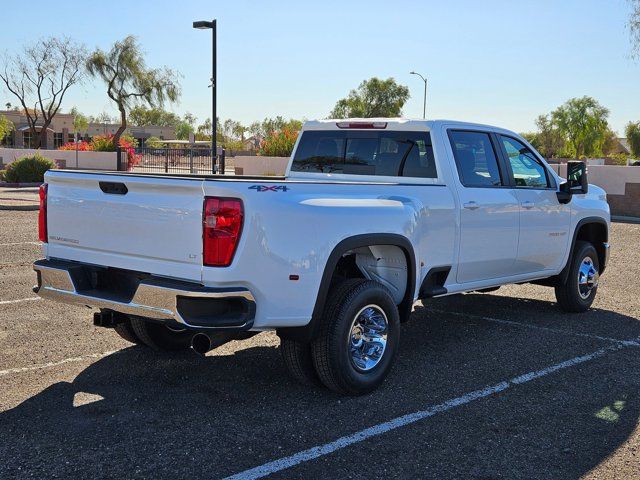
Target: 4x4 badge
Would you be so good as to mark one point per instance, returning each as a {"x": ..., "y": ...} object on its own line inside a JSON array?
[{"x": 269, "y": 188}]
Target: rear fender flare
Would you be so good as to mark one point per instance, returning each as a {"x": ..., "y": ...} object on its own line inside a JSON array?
[{"x": 309, "y": 331}]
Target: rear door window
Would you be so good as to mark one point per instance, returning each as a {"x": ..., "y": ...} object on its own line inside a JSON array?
[
  {"x": 475, "y": 158},
  {"x": 379, "y": 153}
]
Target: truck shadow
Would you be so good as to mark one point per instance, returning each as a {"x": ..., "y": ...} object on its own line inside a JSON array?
[{"x": 140, "y": 414}]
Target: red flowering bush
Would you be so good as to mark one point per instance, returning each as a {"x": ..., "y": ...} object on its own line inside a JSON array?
[
  {"x": 104, "y": 143},
  {"x": 279, "y": 143},
  {"x": 82, "y": 146}
]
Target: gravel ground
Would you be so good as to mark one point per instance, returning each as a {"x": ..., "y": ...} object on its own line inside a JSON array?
[{"x": 78, "y": 402}]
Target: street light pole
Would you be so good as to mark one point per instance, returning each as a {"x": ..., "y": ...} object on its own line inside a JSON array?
[
  {"x": 424, "y": 103},
  {"x": 214, "y": 120}
]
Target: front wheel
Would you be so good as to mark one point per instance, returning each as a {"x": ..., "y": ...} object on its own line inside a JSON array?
[
  {"x": 359, "y": 338},
  {"x": 579, "y": 291}
]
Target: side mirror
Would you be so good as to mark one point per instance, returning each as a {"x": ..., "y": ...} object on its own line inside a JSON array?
[
  {"x": 577, "y": 177},
  {"x": 577, "y": 182}
]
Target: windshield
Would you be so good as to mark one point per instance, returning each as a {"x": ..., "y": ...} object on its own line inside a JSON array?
[{"x": 385, "y": 153}]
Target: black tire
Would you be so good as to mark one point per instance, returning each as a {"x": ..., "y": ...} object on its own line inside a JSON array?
[
  {"x": 125, "y": 330},
  {"x": 159, "y": 337},
  {"x": 299, "y": 362},
  {"x": 331, "y": 350},
  {"x": 568, "y": 293}
]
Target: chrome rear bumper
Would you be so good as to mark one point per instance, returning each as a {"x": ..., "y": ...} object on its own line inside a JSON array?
[{"x": 189, "y": 304}]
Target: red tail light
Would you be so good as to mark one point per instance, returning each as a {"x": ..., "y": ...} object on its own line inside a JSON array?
[
  {"x": 222, "y": 225},
  {"x": 42, "y": 214}
]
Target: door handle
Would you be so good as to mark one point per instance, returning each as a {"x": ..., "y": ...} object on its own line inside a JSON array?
[
  {"x": 471, "y": 205},
  {"x": 527, "y": 205}
]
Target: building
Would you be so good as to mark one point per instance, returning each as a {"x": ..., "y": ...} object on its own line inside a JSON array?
[
  {"x": 251, "y": 144},
  {"x": 60, "y": 131},
  {"x": 622, "y": 146}
]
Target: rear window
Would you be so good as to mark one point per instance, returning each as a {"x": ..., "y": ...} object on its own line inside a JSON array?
[{"x": 407, "y": 154}]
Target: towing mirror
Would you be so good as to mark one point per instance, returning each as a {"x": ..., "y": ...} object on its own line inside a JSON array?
[
  {"x": 577, "y": 177},
  {"x": 577, "y": 182}
]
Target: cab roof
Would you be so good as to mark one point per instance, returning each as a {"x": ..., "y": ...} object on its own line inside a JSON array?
[{"x": 393, "y": 124}]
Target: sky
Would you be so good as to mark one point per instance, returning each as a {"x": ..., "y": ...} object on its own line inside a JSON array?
[{"x": 494, "y": 61}]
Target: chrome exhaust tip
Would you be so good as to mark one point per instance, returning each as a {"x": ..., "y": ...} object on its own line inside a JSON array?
[{"x": 201, "y": 343}]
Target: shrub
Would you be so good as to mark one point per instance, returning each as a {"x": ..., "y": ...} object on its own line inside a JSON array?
[
  {"x": 633, "y": 136},
  {"x": 82, "y": 146},
  {"x": 154, "y": 142},
  {"x": 28, "y": 169},
  {"x": 618, "y": 158},
  {"x": 279, "y": 143}
]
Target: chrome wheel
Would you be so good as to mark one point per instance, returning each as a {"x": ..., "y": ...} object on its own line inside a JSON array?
[
  {"x": 368, "y": 337},
  {"x": 587, "y": 277}
]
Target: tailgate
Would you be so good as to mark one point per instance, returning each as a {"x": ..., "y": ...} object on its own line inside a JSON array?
[{"x": 155, "y": 227}]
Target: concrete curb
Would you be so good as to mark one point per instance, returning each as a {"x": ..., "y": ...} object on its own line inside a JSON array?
[
  {"x": 623, "y": 219},
  {"x": 19, "y": 185},
  {"x": 21, "y": 208}
]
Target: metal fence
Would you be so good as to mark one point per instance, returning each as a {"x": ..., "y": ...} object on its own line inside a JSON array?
[{"x": 169, "y": 160}]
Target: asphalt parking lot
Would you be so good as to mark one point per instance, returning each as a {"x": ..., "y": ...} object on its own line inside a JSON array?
[{"x": 487, "y": 386}]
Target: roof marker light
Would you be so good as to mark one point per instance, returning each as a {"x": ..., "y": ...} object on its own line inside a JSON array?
[{"x": 365, "y": 125}]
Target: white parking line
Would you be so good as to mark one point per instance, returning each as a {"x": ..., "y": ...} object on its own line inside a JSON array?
[
  {"x": 340, "y": 443},
  {"x": 83, "y": 358},
  {"x": 19, "y": 243},
  {"x": 29, "y": 299},
  {"x": 627, "y": 343}
]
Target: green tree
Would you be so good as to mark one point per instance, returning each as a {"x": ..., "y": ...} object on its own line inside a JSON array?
[
  {"x": 154, "y": 142},
  {"x": 183, "y": 130},
  {"x": 190, "y": 118},
  {"x": 142, "y": 116},
  {"x": 610, "y": 143},
  {"x": 238, "y": 131},
  {"x": 186, "y": 126},
  {"x": 632, "y": 131},
  {"x": 233, "y": 130},
  {"x": 6, "y": 127},
  {"x": 129, "y": 81},
  {"x": 549, "y": 141},
  {"x": 203, "y": 132},
  {"x": 532, "y": 138},
  {"x": 255, "y": 129},
  {"x": 634, "y": 28},
  {"x": 270, "y": 125},
  {"x": 104, "y": 117},
  {"x": 80, "y": 121},
  {"x": 583, "y": 123},
  {"x": 373, "y": 98}
]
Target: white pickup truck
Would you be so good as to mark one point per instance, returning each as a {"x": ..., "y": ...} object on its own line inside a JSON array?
[{"x": 371, "y": 216}]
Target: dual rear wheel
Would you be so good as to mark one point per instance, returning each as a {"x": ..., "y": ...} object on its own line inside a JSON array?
[
  {"x": 153, "y": 334},
  {"x": 357, "y": 344}
]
